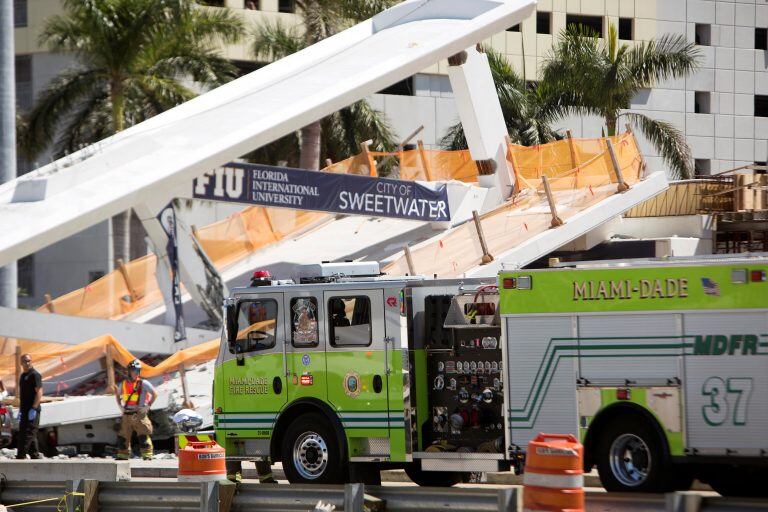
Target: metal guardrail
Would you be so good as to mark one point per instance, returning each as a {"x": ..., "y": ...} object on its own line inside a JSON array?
[
  {"x": 150, "y": 496},
  {"x": 24, "y": 492}
]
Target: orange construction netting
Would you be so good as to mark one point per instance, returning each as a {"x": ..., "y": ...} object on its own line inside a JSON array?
[
  {"x": 580, "y": 173},
  {"x": 134, "y": 286},
  {"x": 56, "y": 361},
  {"x": 527, "y": 214}
]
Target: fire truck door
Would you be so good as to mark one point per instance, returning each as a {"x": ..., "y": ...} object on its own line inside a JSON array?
[
  {"x": 255, "y": 370},
  {"x": 305, "y": 345},
  {"x": 357, "y": 367}
]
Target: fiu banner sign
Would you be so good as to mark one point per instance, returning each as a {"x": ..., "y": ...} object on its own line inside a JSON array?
[{"x": 313, "y": 190}]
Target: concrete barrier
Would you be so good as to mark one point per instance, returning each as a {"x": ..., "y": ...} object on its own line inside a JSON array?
[{"x": 58, "y": 470}]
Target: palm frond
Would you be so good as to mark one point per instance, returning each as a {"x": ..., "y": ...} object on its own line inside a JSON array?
[
  {"x": 359, "y": 10},
  {"x": 454, "y": 138},
  {"x": 322, "y": 19},
  {"x": 136, "y": 52},
  {"x": 668, "y": 141},
  {"x": 210, "y": 27},
  {"x": 284, "y": 149},
  {"x": 276, "y": 40},
  {"x": 150, "y": 94},
  {"x": 202, "y": 66},
  {"x": 671, "y": 56},
  {"x": 344, "y": 130},
  {"x": 54, "y": 102},
  {"x": 90, "y": 121}
]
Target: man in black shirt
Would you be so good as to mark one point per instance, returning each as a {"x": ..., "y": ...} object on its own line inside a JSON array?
[{"x": 30, "y": 393}]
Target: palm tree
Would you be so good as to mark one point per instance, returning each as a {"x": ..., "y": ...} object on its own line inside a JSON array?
[
  {"x": 133, "y": 57},
  {"x": 589, "y": 75},
  {"x": 322, "y": 19},
  {"x": 527, "y": 111}
]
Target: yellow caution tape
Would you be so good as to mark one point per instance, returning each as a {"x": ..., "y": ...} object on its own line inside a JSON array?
[{"x": 61, "y": 507}]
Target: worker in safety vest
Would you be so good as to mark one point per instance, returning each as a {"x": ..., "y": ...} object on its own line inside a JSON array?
[{"x": 134, "y": 399}]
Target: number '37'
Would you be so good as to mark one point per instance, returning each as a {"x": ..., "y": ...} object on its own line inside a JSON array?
[{"x": 725, "y": 395}]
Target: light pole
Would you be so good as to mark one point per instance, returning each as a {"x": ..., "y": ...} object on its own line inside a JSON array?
[{"x": 8, "y": 280}]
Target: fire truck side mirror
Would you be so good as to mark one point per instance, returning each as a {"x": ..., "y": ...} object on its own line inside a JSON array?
[{"x": 230, "y": 320}]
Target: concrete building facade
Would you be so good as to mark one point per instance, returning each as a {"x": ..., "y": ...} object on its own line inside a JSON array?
[{"x": 722, "y": 108}]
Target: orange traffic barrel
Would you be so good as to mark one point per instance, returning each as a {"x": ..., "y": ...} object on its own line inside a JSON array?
[
  {"x": 202, "y": 461},
  {"x": 554, "y": 474}
]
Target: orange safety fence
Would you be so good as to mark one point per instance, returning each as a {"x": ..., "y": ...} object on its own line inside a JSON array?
[
  {"x": 134, "y": 286},
  {"x": 55, "y": 361},
  {"x": 413, "y": 165},
  {"x": 232, "y": 239},
  {"x": 114, "y": 295},
  {"x": 358, "y": 164},
  {"x": 527, "y": 213},
  {"x": 434, "y": 165}
]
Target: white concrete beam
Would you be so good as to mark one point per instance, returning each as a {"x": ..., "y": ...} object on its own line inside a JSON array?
[
  {"x": 71, "y": 330},
  {"x": 172, "y": 148},
  {"x": 199, "y": 277},
  {"x": 583, "y": 222},
  {"x": 481, "y": 116}
]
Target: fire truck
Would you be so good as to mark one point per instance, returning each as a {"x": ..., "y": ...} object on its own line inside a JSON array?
[{"x": 660, "y": 367}]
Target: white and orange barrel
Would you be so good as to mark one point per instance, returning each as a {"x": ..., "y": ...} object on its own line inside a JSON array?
[
  {"x": 202, "y": 461},
  {"x": 554, "y": 474}
]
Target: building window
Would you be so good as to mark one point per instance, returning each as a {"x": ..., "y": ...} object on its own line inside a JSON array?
[
  {"x": 253, "y": 5},
  {"x": 761, "y": 105},
  {"x": 702, "y": 167},
  {"x": 701, "y": 102},
  {"x": 349, "y": 320},
  {"x": 592, "y": 23},
  {"x": 401, "y": 88},
  {"x": 26, "y": 276},
  {"x": 19, "y": 13},
  {"x": 514, "y": 28},
  {"x": 703, "y": 34},
  {"x": 625, "y": 29},
  {"x": 24, "y": 96},
  {"x": 761, "y": 38},
  {"x": 543, "y": 22},
  {"x": 286, "y": 6}
]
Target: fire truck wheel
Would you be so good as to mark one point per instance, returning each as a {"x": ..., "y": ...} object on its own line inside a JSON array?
[
  {"x": 632, "y": 458},
  {"x": 432, "y": 478},
  {"x": 311, "y": 452}
]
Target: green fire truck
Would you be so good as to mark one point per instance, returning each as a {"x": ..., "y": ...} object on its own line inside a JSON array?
[{"x": 660, "y": 367}]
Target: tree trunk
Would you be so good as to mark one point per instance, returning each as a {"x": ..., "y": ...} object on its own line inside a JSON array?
[
  {"x": 138, "y": 237},
  {"x": 121, "y": 223},
  {"x": 610, "y": 122},
  {"x": 310, "y": 147},
  {"x": 121, "y": 236}
]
